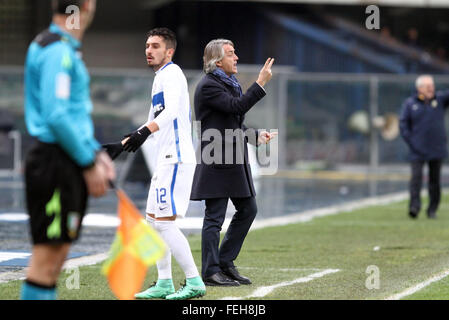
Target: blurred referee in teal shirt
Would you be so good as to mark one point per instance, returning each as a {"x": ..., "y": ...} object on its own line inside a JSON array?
[{"x": 66, "y": 164}]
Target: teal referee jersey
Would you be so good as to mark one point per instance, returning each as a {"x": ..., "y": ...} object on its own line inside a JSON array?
[{"x": 57, "y": 95}]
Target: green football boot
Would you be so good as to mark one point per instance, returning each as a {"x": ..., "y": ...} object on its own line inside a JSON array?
[
  {"x": 158, "y": 290},
  {"x": 192, "y": 288}
]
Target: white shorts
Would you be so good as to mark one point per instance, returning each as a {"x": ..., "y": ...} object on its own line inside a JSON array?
[{"x": 170, "y": 189}]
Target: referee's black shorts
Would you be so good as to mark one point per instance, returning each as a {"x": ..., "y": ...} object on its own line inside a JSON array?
[{"x": 56, "y": 195}]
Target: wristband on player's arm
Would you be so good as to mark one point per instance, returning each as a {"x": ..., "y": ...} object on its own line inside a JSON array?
[{"x": 136, "y": 139}]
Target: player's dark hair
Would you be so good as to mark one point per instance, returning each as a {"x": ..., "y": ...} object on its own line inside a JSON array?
[
  {"x": 166, "y": 34},
  {"x": 60, "y": 6}
]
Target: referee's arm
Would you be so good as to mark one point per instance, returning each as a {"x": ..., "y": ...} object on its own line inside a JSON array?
[{"x": 55, "y": 91}]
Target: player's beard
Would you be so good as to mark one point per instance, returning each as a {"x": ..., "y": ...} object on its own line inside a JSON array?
[{"x": 155, "y": 66}]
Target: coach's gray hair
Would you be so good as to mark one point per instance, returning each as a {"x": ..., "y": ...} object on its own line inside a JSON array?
[
  {"x": 213, "y": 53},
  {"x": 419, "y": 80}
]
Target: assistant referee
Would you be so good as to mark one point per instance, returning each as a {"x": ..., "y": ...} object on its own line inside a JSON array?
[{"x": 65, "y": 165}]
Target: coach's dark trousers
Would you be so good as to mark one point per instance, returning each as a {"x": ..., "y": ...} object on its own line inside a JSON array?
[
  {"x": 433, "y": 185},
  {"x": 215, "y": 257}
]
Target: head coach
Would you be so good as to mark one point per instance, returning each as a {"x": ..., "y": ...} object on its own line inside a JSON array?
[{"x": 220, "y": 106}]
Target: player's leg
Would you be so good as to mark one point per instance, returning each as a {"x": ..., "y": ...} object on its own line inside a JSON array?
[
  {"x": 175, "y": 239},
  {"x": 180, "y": 248},
  {"x": 164, "y": 284},
  {"x": 173, "y": 201}
]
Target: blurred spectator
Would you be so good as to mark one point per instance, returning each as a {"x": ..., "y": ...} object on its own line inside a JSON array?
[
  {"x": 441, "y": 53},
  {"x": 385, "y": 34},
  {"x": 412, "y": 37}
]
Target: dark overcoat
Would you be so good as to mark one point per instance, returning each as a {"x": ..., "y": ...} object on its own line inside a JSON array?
[
  {"x": 422, "y": 126},
  {"x": 221, "y": 113}
]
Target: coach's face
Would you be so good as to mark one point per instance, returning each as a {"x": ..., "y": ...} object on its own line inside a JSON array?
[
  {"x": 427, "y": 88},
  {"x": 229, "y": 61},
  {"x": 157, "y": 53}
]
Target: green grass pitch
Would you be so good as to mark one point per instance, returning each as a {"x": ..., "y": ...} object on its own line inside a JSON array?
[{"x": 406, "y": 252}]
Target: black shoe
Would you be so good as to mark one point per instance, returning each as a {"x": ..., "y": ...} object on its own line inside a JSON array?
[
  {"x": 219, "y": 279},
  {"x": 431, "y": 215},
  {"x": 413, "y": 213},
  {"x": 234, "y": 274}
]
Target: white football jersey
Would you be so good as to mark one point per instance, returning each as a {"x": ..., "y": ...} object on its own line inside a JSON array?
[{"x": 170, "y": 109}]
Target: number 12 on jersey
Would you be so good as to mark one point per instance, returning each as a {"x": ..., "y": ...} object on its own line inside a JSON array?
[{"x": 160, "y": 195}]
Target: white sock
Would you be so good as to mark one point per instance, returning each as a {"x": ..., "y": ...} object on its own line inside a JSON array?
[
  {"x": 164, "y": 264},
  {"x": 179, "y": 246}
]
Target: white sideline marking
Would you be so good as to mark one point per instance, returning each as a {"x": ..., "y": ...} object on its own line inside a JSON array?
[
  {"x": 309, "y": 215},
  {"x": 12, "y": 276},
  {"x": 85, "y": 260},
  {"x": 336, "y": 209},
  {"x": 419, "y": 286},
  {"x": 14, "y": 217},
  {"x": 281, "y": 269},
  {"x": 90, "y": 220},
  {"x": 102, "y": 220},
  {"x": 70, "y": 263},
  {"x": 263, "y": 291},
  {"x": 5, "y": 256}
]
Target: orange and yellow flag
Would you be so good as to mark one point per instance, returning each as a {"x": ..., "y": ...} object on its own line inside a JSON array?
[{"x": 136, "y": 246}]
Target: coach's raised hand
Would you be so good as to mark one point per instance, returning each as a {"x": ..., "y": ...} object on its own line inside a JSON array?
[{"x": 265, "y": 73}]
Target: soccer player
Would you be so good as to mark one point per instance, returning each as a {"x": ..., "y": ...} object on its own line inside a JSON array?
[
  {"x": 66, "y": 164},
  {"x": 169, "y": 124}
]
